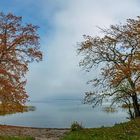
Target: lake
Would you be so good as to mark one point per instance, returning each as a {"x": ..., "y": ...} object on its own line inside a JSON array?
[{"x": 61, "y": 113}]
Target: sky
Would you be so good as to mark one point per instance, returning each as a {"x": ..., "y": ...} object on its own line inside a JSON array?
[{"x": 62, "y": 25}]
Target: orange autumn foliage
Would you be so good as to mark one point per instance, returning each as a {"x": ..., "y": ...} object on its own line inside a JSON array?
[
  {"x": 117, "y": 54},
  {"x": 19, "y": 45}
]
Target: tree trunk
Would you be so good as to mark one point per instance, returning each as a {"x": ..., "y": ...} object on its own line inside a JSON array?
[{"x": 136, "y": 105}]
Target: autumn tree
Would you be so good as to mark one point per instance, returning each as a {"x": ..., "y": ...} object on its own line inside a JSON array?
[
  {"x": 117, "y": 54},
  {"x": 19, "y": 45}
]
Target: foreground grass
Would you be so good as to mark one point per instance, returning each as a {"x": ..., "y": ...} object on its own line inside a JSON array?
[
  {"x": 15, "y": 138},
  {"x": 124, "y": 131}
]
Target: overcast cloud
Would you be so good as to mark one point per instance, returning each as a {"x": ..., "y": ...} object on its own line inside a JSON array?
[{"x": 62, "y": 24}]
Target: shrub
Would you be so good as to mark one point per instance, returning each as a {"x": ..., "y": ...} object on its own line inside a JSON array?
[{"x": 76, "y": 126}]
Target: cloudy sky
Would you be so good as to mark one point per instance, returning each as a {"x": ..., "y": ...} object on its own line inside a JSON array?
[{"x": 62, "y": 24}]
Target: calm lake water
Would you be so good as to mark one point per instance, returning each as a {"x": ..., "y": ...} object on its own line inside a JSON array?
[{"x": 61, "y": 113}]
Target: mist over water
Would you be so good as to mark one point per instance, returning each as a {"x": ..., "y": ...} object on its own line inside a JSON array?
[{"x": 61, "y": 113}]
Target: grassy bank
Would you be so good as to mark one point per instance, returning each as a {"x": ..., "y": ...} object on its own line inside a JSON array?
[
  {"x": 124, "y": 131},
  {"x": 15, "y": 138}
]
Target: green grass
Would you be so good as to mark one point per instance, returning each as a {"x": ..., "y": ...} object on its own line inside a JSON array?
[
  {"x": 15, "y": 138},
  {"x": 123, "y": 131}
]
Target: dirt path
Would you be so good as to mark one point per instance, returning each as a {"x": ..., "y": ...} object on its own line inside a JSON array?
[{"x": 37, "y": 133}]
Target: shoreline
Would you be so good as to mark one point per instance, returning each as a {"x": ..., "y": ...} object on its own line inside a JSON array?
[
  {"x": 126, "y": 130},
  {"x": 51, "y": 133},
  {"x": 30, "y": 127}
]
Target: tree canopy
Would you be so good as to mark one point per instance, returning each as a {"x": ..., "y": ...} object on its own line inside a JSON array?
[
  {"x": 19, "y": 45},
  {"x": 117, "y": 54}
]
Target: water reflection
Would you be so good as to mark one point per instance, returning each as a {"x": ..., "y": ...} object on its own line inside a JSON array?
[
  {"x": 61, "y": 113},
  {"x": 110, "y": 109},
  {"x": 7, "y": 109}
]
